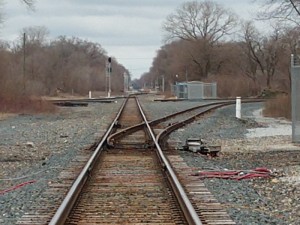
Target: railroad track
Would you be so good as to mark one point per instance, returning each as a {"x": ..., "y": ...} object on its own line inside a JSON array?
[
  {"x": 127, "y": 185},
  {"x": 134, "y": 182}
]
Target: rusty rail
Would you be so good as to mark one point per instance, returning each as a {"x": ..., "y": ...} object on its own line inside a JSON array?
[
  {"x": 185, "y": 204},
  {"x": 182, "y": 123},
  {"x": 190, "y": 214},
  {"x": 66, "y": 206},
  {"x": 155, "y": 122}
]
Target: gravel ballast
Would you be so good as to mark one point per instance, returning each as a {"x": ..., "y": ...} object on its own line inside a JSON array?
[
  {"x": 38, "y": 147},
  {"x": 246, "y": 144}
]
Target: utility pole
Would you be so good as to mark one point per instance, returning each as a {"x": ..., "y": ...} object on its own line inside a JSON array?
[{"x": 24, "y": 61}]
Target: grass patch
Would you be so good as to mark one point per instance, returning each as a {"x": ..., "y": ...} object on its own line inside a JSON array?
[
  {"x": 4, "y": 116},
  {"x": 25, "y": 104},
  {"x": 278, "y": 107}
]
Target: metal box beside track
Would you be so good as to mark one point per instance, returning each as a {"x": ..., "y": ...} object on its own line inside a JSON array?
[
  {"x": 197, "y": 145},
  {"x": 195, "y": 90}
]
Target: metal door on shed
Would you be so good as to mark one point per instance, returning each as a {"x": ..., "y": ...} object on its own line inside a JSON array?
[{"x": 195, "y": 91}]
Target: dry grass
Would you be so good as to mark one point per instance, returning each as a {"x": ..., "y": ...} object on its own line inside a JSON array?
[
  {"x": 4, "y": 116},
  {"x": 168, "y": 94},
  {"x": 25, "y": 104},
  {"x": 231, "y": 86},
  {"x": 279, "y": 107}
]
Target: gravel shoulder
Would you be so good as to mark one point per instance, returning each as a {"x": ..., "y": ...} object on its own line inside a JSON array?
[
  {"x": 247, "y": 143},
  {"x": 38, "y": 147}
]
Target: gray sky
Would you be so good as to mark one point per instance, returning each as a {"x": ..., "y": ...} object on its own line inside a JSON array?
[{"x": 129, "y": 30}]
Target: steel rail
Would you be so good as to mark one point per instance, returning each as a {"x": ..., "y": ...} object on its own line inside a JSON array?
[
  {"x": 66, "y": 206},
  {"x": 188, "y": 210},
  {"x": 182, "y": 123},
  {"x": 139, "y": 126}
]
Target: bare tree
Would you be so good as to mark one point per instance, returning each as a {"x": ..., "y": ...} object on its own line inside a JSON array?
[
  {"x": 29, "y": 3},
  {"x": 263, "y": 51},
  {"x": 291, "y": 42},
  {"x": 200, "y": 20},
  {"x": 250, "y": 50},
  {"x": 283, "y": 10},
  {"x": 35, "y": 35},
  {"x": 202, "y": 25}
]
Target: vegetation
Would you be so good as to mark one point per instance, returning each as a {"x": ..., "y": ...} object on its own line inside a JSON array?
[
  {"x": 68, "y": 65},
  {"x": 204, "y": 42},
  {"x": 279, "y": 107},
  {"x": 34, "y": 66},
  {"x": 24, "y": 104},
  {"x": 281, "y": 10},
  {"x": 201, "y": 46}
]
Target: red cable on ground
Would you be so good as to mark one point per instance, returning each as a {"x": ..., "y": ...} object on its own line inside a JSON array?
[
  {"x": 250, "y": 176},
  {"x": 235, "y": 174},
  {"x": 17, "y": 186}
]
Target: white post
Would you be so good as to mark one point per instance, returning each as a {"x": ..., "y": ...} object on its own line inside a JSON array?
[
  {"x": 90, "y": 94},
  {"x": 163, "y": 83},
  {"x": 238, "y": 108},
  {"x": 126, "y": 83},
  {"x": 109, "y": 89}
]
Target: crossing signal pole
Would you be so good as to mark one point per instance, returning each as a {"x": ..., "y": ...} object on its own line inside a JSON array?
[{"x": 109, "y": 74}]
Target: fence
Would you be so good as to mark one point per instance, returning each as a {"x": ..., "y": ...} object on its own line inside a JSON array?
[{"x": 195, "y": 90}]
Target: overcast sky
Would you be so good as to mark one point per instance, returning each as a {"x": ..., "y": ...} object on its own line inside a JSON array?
[{"x": 129, "y": 30}]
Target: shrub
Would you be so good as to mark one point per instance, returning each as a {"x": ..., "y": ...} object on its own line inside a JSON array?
[
  {"x": 25, "y": 104},
  {"x": 232, "y": 86},
  {"x": 280, "y": 106}
]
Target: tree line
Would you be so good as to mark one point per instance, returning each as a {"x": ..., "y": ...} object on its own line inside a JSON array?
[
  {"x": 36, "y": 66},
  {"x": 204, "y": 41}
]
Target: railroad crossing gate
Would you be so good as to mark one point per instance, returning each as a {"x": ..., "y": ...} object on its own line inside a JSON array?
[
  {"x": 295, "y": 73},
  {"x": 195, "y": 90}
]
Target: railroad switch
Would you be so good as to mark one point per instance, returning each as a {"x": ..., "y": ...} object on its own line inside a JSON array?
[
  {"x": 117, "y": 124},
  {"x": 197, "y": 145}
]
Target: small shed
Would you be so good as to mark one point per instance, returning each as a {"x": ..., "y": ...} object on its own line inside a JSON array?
[{"x": 195, "y": 90}]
